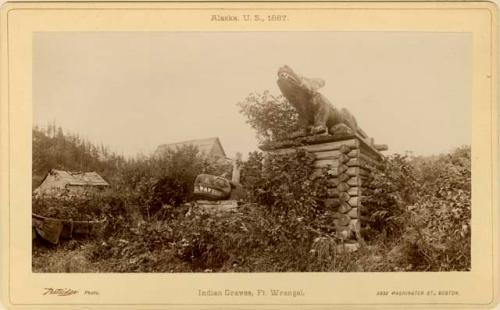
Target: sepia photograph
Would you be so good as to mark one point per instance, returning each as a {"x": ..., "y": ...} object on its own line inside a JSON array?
[
  {"x": 249, "y": 155},
  {"x": 251, "y": 152}
]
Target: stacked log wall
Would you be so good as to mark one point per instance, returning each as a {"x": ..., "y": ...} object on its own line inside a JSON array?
[{"x": 347, "y": 164}]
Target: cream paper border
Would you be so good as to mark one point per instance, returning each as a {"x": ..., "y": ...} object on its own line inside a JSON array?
[{"x": 19, "y": 286}]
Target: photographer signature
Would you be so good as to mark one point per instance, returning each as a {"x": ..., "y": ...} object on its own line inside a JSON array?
[{"x": 59, "y": 291}]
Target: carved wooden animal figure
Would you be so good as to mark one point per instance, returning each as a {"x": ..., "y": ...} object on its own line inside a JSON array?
[
  {"x": 316, "y": 113},
  {"x": 211, "y": 187}
]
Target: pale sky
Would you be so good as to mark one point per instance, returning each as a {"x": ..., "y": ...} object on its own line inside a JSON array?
[{"x": 135, "y": 90}]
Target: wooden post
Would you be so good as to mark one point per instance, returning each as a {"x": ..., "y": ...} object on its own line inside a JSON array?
[
  {"x": 343, "y": 232},
  {"x": 355, "y": 228}
]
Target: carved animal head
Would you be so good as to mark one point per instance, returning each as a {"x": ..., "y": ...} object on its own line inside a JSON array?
[
  {"x": 211, "y": 187},
  {"x": 287, "y": 78},
  {"x": 296, "y": 88}
]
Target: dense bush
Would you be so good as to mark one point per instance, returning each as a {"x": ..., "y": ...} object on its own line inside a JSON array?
[
  {"x": 441, "y": 216},
  {"x": 108, "y": 207},
  {"x": 285, "y": 183},
  {"x": 272, "y": 117},
  {"x": 418, "y": 210},
  {"x": 174, "y": 173},
  {"x": 91, "y": 206},
  {"x": 146, "y": 182},
  {"x": 422, "y": 204},
  {"x": 420, "y": 221},
  {"x": 250, "y": 239},
  {"x": 390, "y": 189},
  {"x": 251, "y": 173},
  {"x": 164, "y": 181}
]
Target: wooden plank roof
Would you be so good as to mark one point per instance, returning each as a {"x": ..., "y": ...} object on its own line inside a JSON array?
[{"x": 204, "y": 145}]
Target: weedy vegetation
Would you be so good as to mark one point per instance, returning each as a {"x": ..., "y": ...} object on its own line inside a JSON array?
[{"x": 419, "y": 210}]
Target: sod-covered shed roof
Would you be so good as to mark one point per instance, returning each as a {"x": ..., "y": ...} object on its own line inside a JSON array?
[{"x": 61, "y": 179}]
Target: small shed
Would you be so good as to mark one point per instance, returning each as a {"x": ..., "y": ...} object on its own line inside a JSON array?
[
  {"x": 208, "y": 146},
  {"x": 57, "y": 182}
]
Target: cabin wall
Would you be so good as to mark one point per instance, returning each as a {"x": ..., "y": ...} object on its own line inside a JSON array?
[
  {"x": 217, "y": 151},
  {"x": 54, "y": 185},
  {"x": 51, "y": 185}
]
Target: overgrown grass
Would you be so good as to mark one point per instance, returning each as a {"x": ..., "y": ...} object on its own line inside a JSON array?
[
  {"x": 420, "y": 221},
  {"x": 244, "y": 241},
  {"x": 247, "y": 240}
]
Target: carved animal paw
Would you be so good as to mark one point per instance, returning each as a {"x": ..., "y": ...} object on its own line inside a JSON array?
[
  {"x": 298, "y": 133},
  {"x": 341, "y": 129},
  {"x": 319, "y": 130}
]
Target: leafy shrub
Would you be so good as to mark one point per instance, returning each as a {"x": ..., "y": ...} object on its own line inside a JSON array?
[
  {"x": 160, "y": 183},
  {"x": 251, "y": 173},
  {"x": 284, "y": 182},
  {"x": 92, "y": 206},
  {"x": 423, "y": 205},
  {"x": 108, "y": 206},
  {"x": 271, "y": 116},
  {"x": 135, "y": 180},
  {"x": 250, "y": 239},
  {"x": 391, "y": 188},
  {"x": 175, "y": 172},
  {"x": 441, "y": 216}
]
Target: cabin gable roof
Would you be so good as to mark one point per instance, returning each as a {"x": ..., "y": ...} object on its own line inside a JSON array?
[{"x": 209, "y": 146}]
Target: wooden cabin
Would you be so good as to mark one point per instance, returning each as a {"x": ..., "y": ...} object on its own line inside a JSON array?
[
  {"x": 211, "y": 147},
  {"x": 60, "y": 182}
]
